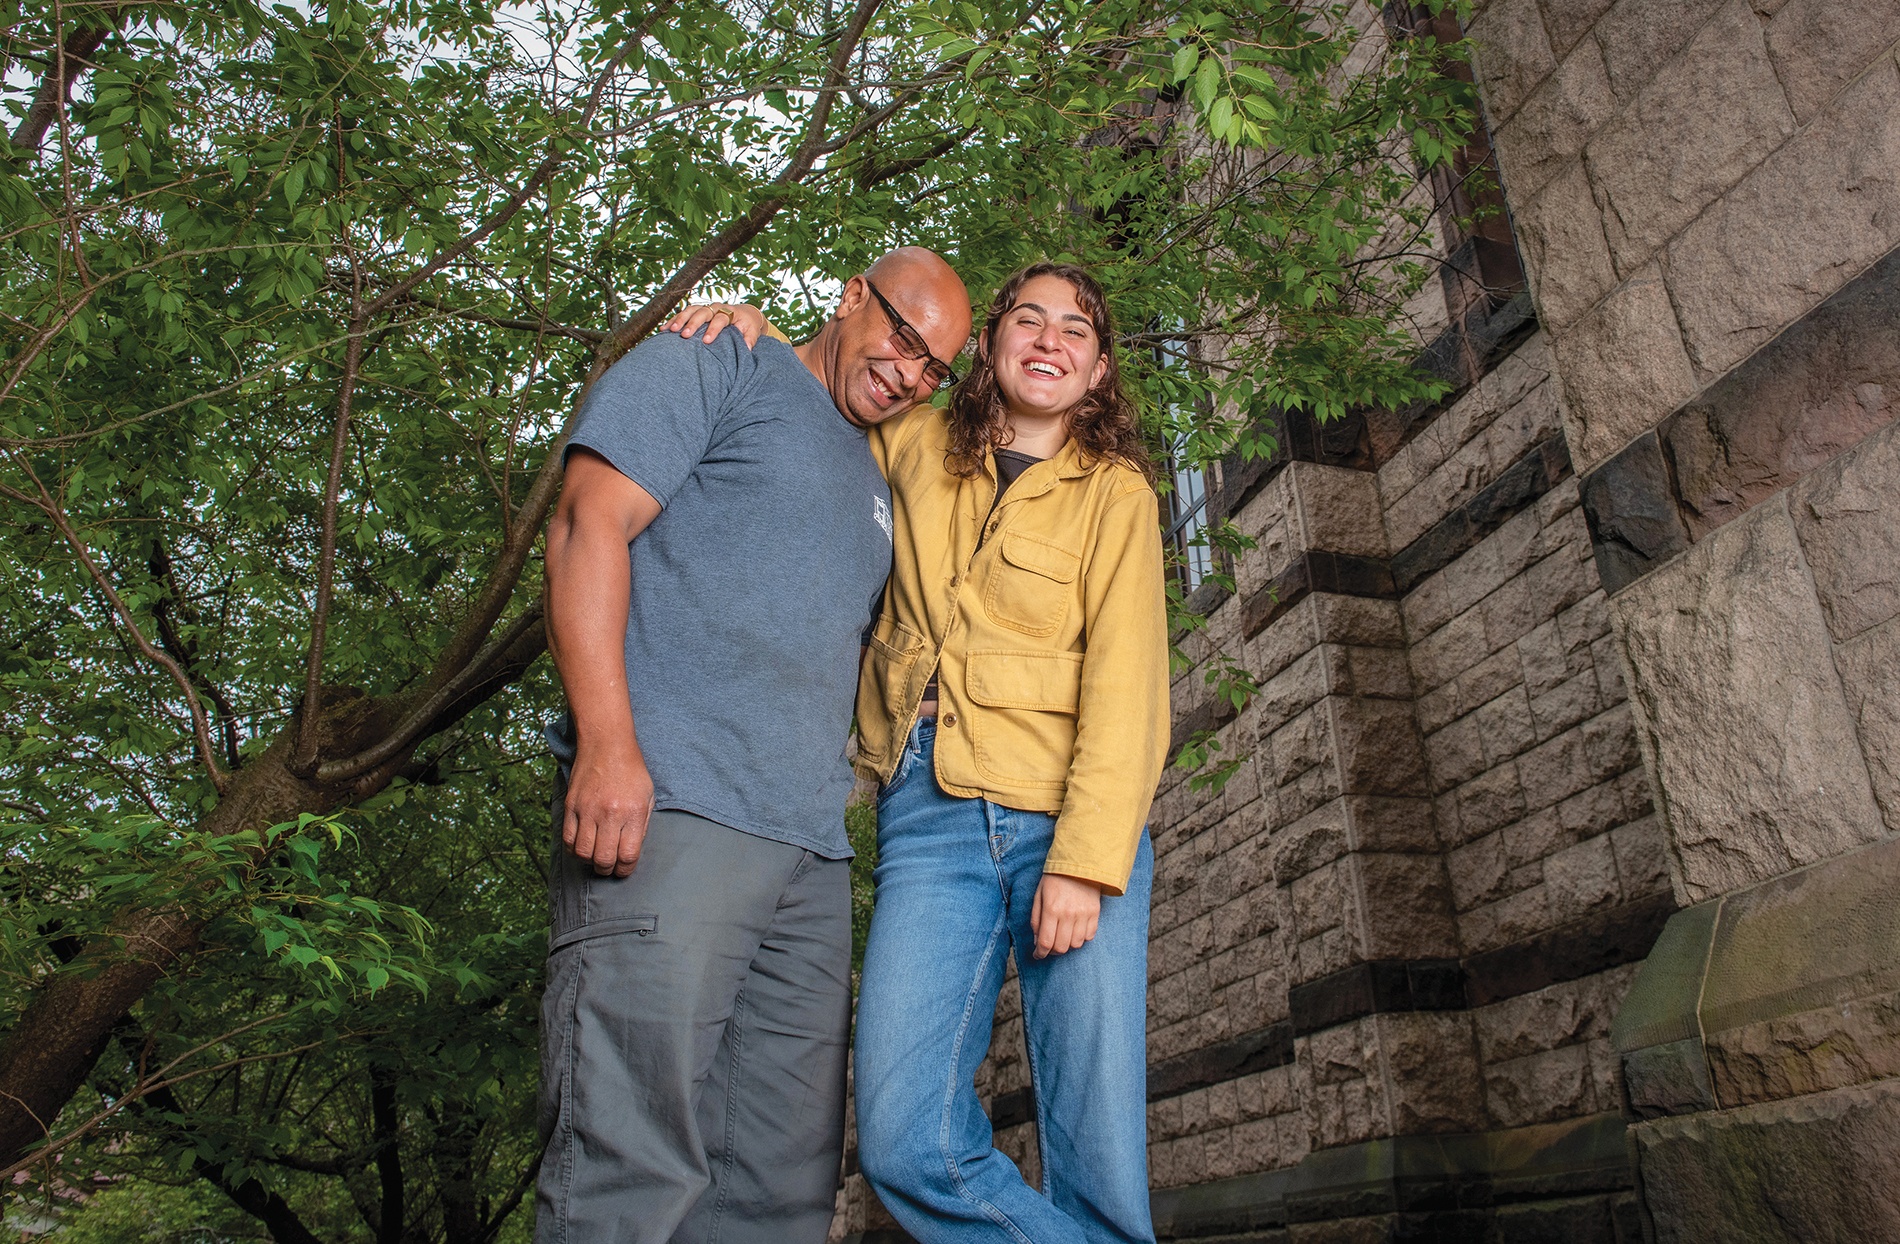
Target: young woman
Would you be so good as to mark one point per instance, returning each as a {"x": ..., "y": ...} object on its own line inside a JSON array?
[{"x": 1013, "y": 709}]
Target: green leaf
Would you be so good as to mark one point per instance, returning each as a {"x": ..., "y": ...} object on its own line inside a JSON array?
[
  {"x": 1185, "y": 58},
  {"x": 1206, "y": 82}
]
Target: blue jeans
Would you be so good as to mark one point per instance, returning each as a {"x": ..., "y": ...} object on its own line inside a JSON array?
[{"x": 955, "y": 882}]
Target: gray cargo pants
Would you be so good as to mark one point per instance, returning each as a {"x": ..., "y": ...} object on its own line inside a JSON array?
[{"x": 693, "y": 1042}]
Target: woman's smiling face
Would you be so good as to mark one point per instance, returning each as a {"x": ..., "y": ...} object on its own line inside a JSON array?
[{"x": 1045, "y": 350}]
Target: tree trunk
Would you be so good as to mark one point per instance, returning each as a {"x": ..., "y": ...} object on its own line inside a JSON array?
[{"x": 50, "y": 1051}]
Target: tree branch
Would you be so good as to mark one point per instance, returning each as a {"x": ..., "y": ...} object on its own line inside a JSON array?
[
  {"x": 549, "y": 165},
  {"x": 72, "y": 56},
  {"x": 200, "y": 723}
]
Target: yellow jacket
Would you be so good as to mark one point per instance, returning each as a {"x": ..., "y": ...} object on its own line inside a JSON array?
[{"x": 1050, "y": 641}]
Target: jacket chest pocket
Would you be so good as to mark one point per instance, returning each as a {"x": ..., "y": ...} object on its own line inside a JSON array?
[{"x": 1031, "y": 584}]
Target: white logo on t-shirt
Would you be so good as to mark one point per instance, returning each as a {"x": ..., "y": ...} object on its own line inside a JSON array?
[{"x": 882, "y": 513}]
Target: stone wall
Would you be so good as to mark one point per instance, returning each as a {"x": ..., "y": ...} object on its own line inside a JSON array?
[{"x": 1708, "y": 194}]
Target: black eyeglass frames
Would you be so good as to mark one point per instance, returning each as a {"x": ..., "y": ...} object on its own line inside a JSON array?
[{"x": 910, "y": 342}]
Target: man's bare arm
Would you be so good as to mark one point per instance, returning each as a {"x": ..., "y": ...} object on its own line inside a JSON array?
[{"x": 589, "y": 586}]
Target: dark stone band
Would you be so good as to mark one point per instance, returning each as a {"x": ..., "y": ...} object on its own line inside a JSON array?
[
  {"x": 1523, "y": 482},
  {"x": 1584, "y": 947},
  {"x": 1343, "y": 574},
  {"x": 1823, "y": 383}
]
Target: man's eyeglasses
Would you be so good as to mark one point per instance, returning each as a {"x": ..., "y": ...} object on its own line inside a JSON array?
[{"x": 910, "y": 343}]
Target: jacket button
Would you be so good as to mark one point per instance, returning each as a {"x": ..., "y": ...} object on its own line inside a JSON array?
[
  {"x": 948, "y": 721},
  {"x": 955, "y": 579}
]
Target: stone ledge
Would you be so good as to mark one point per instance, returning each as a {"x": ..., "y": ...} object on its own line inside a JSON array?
[
  {"x": 1407, "y": 1174},
  {"x": 1784, "y": 988}
]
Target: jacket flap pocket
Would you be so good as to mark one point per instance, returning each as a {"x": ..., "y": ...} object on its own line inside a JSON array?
[
  {"x": 896, "y": 639},
  {"x": 1047, "y": 681},
  {"x": 642, "y": 925},
  {"x": 1032, "y": 553}
]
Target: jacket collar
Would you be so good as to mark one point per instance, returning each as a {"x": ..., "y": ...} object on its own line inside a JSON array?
[{"x": 1069, "y": 463}]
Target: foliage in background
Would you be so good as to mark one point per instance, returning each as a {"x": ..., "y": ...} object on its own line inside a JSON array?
[{"x": 294, "y": 306}]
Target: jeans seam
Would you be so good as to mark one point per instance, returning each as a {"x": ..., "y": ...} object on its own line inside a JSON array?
[
  {"x": 1035, "y": 1095},
  {"x": 992, "y": 1212}
]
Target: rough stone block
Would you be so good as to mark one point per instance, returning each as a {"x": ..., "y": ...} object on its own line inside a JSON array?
[
  {"x": 1338, "y": 509},
  {"x": 1582, "y": 878},
  {"x": 1381, "y": 673},
  {"x": 1289, "y": 693},
  {"x": 1807, "y": 1052},
  {"x": 1822, "y": 1167},
  {"x": 1357, "y": 620},
  {"x": 1387, "y": 824},
  {"x": 1514, "y": 610},
  {"x": 1741, "y": 709},
  {"x": 1704, "y": 121},
  {"x": 1624, "y": 368},
  {"x": 1477, "y": 871},
  {"x": 1565, "y": 252},
  {"x": 1540, "y": 1088},
  {"x": 1639, "y": 37},
  {"x": 1437, "y": 709},
  {"x": 1870, "y": 674},
  {"x": 1298, "y": 746},
  {"x": 1847, "y": 516},
  {"x": 1505, "y": 725},
  {"x": 1404, "y": 907},
  {"x": 1555, "y": 770},
  {"x": 1311, "y": 842},
  {"x": 1449, "y": 651},
  {"x": 1569, "y": 20},
  {"x": 1817, "y": 212},
  {"x": 1538, "y": 835},
  {"x": 1565, "y": 706},
  {"x": 1524, "y": 914},
  {"x": 1490, "y": 801},
  {"x": 1568, "y": 1013},
  {"x": 1670, "y": 1078},
  {"x": 1490, "y": 678},
  {"x": 1556, "y": 121},
  {"x": 1817, "y": 390},
  {"x": 1432, "y": 1067},
  {"x": 1544, "y": 659},
  {"x": 1819, "y": 46},
  {"x": 1630, "y": 503},
  {"x": 1378, "y": 747},
  {"x": 1319, "y": 900},
  {"x": 1642, "y": 857},
  {"x": 1513, "y": 54}
]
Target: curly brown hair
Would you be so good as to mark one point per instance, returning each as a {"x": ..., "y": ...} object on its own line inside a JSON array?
[{"x": 1103, "y": 424}]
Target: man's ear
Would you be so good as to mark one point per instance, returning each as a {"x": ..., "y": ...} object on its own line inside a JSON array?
[{"x": 857, "y": 292}]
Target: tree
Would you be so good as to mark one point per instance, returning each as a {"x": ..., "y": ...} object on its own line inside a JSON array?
[{"x": 296, "y": 306}]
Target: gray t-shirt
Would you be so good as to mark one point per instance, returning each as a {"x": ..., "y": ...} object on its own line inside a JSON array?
[{"x": 751, "y": 587}]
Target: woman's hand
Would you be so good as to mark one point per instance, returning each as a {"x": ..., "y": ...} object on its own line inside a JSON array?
[
  {"x": 715, "y": 316},
  {"x": 1065, "y": 914}
]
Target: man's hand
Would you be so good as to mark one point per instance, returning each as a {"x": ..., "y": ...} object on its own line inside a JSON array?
[
  {"x": 609, "y": 801},
  {"x": 714, "y": 317},
  {"x": 1066, "y": 912}
]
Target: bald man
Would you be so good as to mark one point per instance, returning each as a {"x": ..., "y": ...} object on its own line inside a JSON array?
[{"x": 720, "y": 542}]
